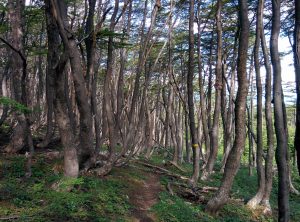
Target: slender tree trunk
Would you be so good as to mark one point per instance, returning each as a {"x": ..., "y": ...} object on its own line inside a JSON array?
[
  {"x": 270, "y": 131},
  {"x": 230, "y": 112},
  {"x": 214, "y": 136},
  {"x": 187, "y": 146},
  {"x": 296, "y": 49},
  {"x": 254, "y": 202},
  {"x": 250, "y": 137},
  {"x": 50, "y": 91},
  {"x": 210, "y": 86},
  {"x": 233, "y": 161},
  {"x": 4, "y": 93},
  {"x": 108, "y": 86},
  {"x": 281, "y": 150},
  {"x": 201, "y": 88},
  {"x": 190, "y": 93}
]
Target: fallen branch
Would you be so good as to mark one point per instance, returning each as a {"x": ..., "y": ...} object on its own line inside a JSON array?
[
  {"x": 163, "y": 170},
  {"x": 14, "y": 217},
  {"x": 176, "y": 165}
]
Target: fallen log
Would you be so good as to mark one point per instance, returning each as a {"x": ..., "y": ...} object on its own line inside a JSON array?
[{"x": 163, "y": 170}]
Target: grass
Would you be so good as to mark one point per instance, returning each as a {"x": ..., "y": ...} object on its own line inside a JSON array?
[
  {"x": 45, "y": 196},
  {"x": 244, "y": 187},
  {"x": 48, "y": 196}
]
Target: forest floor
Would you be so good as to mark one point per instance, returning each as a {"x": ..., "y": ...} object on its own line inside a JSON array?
[{"x": 135, "y": 192}]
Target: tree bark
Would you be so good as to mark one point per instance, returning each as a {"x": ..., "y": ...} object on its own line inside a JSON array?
[
  {"x": 270, "y": 131},
  {"x": 254, "y": 202},
  {"x": 15, "y": 14},
  {"x": 233, "y": 162},
  {"x": 296, "y": 48},
  {"x": 81, "y": 91},
  {"x": 190, "y": 93},
  {"x": 201, "y": 87},
  {"x": 281, "y": 134},
  {"x": 214, "y": 133},
  {"x": 55, "y": 72}
]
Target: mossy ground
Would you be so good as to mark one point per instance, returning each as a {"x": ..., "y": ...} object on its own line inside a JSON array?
[{"x": 46, "y": 197}]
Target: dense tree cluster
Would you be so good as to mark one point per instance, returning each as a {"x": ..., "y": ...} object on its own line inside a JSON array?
[{"x": 117, "y": 79}]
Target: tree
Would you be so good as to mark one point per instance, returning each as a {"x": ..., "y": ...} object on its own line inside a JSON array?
[
  {"x": 269, "y": 122},
  {"x": 190, "y": 94},
  {"x": 15, "y": 15},
  {"x": 296, "y": 48},
  {"x": 281, "y": 134},
  {"x": 233, "y": 161},
  {"x": 214, "y": 133},
  {"x": 259, "y": 159},
  {"x": 56, "y": 64}
]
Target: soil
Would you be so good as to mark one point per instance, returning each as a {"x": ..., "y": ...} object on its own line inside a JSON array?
[{"x": 143, "y": 196}]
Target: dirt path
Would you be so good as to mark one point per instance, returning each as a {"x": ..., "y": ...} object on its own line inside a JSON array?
[{"x": 143, "y": 196}]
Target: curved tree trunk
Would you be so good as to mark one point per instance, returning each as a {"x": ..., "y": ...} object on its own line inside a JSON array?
[
  {"x": 81, "y": 91},
  {"x": 55, "y": 72},
  {"x": 270, "y": 131},
  {"x": 214, "y": 133},
  {"x": 254, "y": 202},
  {"x": 281, "y": 150},
  {"x": 233, "y": 161}
]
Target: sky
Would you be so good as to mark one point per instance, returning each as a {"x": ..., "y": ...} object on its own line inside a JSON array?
[{"x": 287, "y": 63}]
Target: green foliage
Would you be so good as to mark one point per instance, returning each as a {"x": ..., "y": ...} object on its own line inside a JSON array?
[
  {"x": 173, "y": 208},
  {"x": 47, "y": 196},
  {"x": 14, "y": 105}
]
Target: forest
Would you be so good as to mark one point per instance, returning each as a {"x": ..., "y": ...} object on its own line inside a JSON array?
[{"x": 150, "y": 110}]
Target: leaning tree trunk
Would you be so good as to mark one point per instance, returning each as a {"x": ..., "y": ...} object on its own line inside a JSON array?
[
  {"x": 281, "y": 150},
  {"x": 234, "y": 157},
  {"x": 214, "y": 137},
  {"x": 255, "y": 201},
  {"x": 297, "y": 74},
  {"x": 190, "y": 94},
  {"x": 81, "y": 91},
  {"x": 230, "y": 111},
  {"x": 270, "y": 131},
  {"x": 55, "y": 73},
  {"x": 108, "y": 87}
]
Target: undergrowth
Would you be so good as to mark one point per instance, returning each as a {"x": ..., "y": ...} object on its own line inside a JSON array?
[{"x": 48, "y": 196}]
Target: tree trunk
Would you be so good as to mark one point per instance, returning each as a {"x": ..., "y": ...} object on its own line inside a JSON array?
[
  {"x": 270, "y": 131},
  {"x": 108, "y": 86},
  {"x": 254, "y": 202},
  {"x": 281, "y": 150},
  {"x": 55, "y": 72},
  {"x": 81, "y": 91},
  {"x": 214, "y": 136},
  {"x": 201, "y": 88},
  {"x": 230, "y": 120},
  {"x": 50, "y": 91},
  {"x": 233, "y": 161},
  {"x": 190, "y": 93},
  {"x": 296, "y": 49},
  {"x": 15, "y": 14}
]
